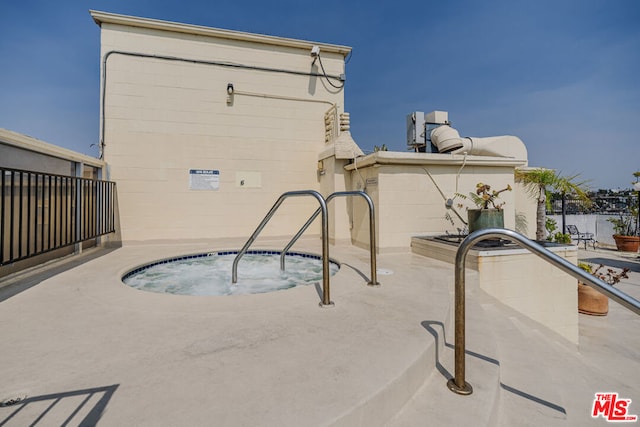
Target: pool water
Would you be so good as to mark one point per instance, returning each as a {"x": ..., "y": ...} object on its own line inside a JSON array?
[{"x": 210, "y": 274}]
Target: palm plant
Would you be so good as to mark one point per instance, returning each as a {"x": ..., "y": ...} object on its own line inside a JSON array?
[{"x": 540, "y": 181}]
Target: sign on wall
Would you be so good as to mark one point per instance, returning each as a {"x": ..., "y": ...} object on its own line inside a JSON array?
[
  {"x": 204, "y": 179},
  {"x": 371, "y": 182}
]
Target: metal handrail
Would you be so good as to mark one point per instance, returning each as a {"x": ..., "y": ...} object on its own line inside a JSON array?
[
  {"x": 372, "y": 232},
  {"x": 326, "y": 300},
  {"x": 458, "y": 384}
]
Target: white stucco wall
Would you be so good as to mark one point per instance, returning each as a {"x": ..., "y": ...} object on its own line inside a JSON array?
[
  {"x": 409, "y": 202},
  {"x": 163, "y": 118},
  {"x": 531, "y": 286}
]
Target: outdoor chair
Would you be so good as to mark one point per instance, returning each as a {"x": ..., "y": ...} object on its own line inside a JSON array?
[{"x": 581, "y": 237}]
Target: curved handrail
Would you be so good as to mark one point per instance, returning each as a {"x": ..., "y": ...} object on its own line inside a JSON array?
[
  {"x": 326, "y": 300},
  {"x": 458, "y": 384},
  {"x": 372, "y": 232}
]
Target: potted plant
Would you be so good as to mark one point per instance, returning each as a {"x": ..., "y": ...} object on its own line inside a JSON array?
[
  {"x": 592, "y": 302},
  {"x": 626, "y": 227},
  {"x": 625, "y": 231},
  {"x": 555, "y": 235},
  {"x": 489, "y": 213}
]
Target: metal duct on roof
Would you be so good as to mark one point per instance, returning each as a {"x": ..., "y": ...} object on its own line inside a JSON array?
[{"x": 448, "y": 140}]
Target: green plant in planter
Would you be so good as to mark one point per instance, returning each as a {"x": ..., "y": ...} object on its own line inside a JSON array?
[
  {"x": 591, "y": 301},
  {"x": 626, "y": 225},
  {"x": 585, "y": 266},
  {"x": 626, "y": 228},
  {"x": 490, "y": 213},
  {"x": 484, "y": 198},
  {"x": 554, "y": 235},
  {"x": 564, "y": 238},
  {"x": 608, "y": 275},
  {"x": 625, "y": 233}
]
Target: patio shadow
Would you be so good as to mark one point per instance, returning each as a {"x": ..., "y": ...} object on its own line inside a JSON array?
[
  {"x": 86, "y": 412},
  {"x": 429, "y": 326}
]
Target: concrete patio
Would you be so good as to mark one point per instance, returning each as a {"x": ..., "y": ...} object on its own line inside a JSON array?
[{"x": 81, "y": 348}]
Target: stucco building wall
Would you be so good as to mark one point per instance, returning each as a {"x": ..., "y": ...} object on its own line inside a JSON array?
[
  {"x": 168, "y": 109},
  {"x": 410, "y": 192},
  {"x": 163, "y": 117}
]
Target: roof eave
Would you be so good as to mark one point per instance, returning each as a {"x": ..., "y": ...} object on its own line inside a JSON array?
[{"x": 132, "y": 21}]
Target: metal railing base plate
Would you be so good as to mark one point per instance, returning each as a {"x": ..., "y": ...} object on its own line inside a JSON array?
[
  {"x": 465, "y": 391},
  {"x": 323, "y": 305}
]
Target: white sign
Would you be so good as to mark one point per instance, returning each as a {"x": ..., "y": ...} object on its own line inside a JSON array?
[{"x": 204, "y": 179}]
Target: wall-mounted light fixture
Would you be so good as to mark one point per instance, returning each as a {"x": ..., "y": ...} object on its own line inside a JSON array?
[
  {"x": 315, "y": 53},
  {"x": 229, "y": 93}
]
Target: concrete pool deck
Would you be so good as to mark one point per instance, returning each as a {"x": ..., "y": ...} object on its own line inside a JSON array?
[{"x": 84, "y": 348}]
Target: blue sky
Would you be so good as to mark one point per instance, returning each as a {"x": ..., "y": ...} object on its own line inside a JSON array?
[{"x": 564, "y": 76}]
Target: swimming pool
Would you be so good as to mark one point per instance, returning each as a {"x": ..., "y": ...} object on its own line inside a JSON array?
[{"x": 208, "y": 274}]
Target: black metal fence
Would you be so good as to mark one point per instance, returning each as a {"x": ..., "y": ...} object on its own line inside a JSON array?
[
  {"x": 42, "y": 212},
  {"x": 572, "y": 205}
]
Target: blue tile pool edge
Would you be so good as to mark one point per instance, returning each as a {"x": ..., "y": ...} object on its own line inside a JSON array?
[{"x": 144, "y": 267}]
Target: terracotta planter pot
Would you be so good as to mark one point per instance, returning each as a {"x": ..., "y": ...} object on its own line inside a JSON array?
[
  {"x": 627, "y": 243},
  {"x": 591, "y": 301},
  {"x": 485, "y": 218}
]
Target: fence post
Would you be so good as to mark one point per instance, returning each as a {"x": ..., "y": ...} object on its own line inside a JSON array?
[{"x": 79, "y": 167}]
